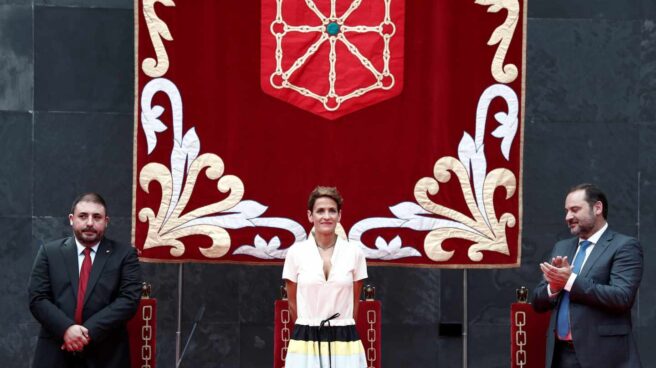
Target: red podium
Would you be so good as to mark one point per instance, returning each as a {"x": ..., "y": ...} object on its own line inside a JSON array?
[
  {"x": 368, "y": 326},
  {"x": 528, "y": 336},
  {"x": 142, "y": 330}
]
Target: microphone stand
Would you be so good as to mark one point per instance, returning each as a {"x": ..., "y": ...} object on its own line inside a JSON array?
[{"x": 199, "y": 316}]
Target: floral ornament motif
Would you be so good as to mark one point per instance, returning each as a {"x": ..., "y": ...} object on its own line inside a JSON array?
[
  {"x": 484, "y": 229},
  {"x": 168, "y": 224},
  {"x": 471, "y": 150},
  {"x": 157, "y": 30},
  {"x": 408, "y": 215},
  {"x": 262, "y": 249},
  {"x": 392, "y": 250},
  {"x": 509, "y": 121},
  {"x": 502, "y": 35},
  {"x": 477, "y": 185}
]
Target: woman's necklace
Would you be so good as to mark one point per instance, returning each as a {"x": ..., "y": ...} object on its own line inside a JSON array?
[
  {"x": 326, "y": 253},
  {"x": 326, "y": 248}
]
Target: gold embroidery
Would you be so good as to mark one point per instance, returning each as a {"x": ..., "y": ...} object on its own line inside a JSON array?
[
  {"x": 166, "y": 230},
  {"x": 157, "y": 30},
  {"x": 487, "y": 235},
  {"x": 502, "y": 35}
]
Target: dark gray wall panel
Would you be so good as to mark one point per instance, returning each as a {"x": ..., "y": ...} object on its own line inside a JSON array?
[
  {"x": 649, "y": 9},
  {"x": 482, "y": 286},
  {"x": 16, "y": 2},
  {"x": 410, "y": 346},
  {"x": 450, "y": 290},
  {"x": 82, "y": 152},
  {"x": 647, "y": 86},
  {"x": 120, "y": 228},
  {"x": 490, "y": 293},
  {"x": 606, "y": 9},
  {"x": 256, "y": 345},
  {"x": 215, "y": 345},
  {"x": 83, "y": 59},
  {"x": 16, "y": 261},
  {"x": 409, "y": 295},
  {"x": 259, "y": 288},
  {"x": 123, "y": 4},
  {"x": 561, "y": 155},
  {"x": 18, "y": 256},
  {"x": 215, "y": 286},
  {"x": 486, "y": 342},
  {"x": 16, "y": 60},
  {"x": 647, "y": 298},
  {"x": 537, "y": 243},
  {"x": 449, "y": 350},
  {"x": 49, "y": 228},
  {"x": 15, "y": 164},
  {"x": 583, "y": 70},
  {"x": 18, "y": 343}
]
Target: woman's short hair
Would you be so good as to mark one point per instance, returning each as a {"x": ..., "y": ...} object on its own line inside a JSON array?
[{"x": 328, "y": 192}]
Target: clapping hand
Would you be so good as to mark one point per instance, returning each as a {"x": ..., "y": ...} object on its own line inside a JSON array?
[{"x": 556, "y": 273}]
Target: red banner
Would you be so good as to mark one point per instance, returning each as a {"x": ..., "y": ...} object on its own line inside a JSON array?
[{"x": 413, "y": 109}]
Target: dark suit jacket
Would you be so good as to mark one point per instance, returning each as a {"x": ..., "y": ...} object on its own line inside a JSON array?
[
  {"x": 600, "y": 302},
  {"x": 112, "y": 297}
]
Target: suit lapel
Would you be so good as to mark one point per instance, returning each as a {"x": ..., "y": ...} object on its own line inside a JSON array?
[
  {"x": 69, "y": 253},
  {"x": 598, "y": 249},
  {"x": 102, "y": 255}
]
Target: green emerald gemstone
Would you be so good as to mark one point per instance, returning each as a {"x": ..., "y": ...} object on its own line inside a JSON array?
[{"x": 332, "y": 28}]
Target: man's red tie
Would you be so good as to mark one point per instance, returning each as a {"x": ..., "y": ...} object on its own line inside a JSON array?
[{"x": 82, "y": 286}]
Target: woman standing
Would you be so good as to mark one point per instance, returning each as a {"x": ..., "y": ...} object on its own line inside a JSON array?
[{"x": 324, "y": 277}]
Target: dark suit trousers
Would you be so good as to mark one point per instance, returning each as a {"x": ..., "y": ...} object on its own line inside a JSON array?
[{"x": 564, "y": 356}]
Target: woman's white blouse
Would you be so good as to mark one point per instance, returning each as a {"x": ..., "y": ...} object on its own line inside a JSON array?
[{"x": 318, "y": 298}]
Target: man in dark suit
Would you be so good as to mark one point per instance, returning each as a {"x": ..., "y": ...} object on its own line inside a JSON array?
[
  {"x": 82, "y": 290},
  {"x": 591, "y": 297}
]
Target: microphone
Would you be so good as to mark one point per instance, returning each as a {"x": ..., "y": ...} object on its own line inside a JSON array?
[{"x": 199, "y": 316}]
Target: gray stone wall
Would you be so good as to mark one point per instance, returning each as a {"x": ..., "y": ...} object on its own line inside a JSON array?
[{"x": 66, "y": 122}]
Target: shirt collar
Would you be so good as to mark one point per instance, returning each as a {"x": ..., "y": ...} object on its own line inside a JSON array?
[
  {"x": 594, "y": 239},
  {"x": 80, "y": 247}
]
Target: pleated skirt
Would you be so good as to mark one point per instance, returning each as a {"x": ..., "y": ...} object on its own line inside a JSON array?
[{"x": 325, "y": 347}]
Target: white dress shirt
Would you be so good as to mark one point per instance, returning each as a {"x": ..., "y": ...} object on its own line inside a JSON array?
[
  {"x": 80, "y": 254},
  {"x": 592, "y": 239}
]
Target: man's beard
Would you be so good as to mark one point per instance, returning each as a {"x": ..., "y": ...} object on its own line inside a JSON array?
[
  {"x": 584, "y": 226},
  {"x": 89, "y": 239}
]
